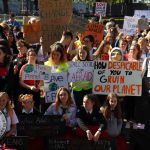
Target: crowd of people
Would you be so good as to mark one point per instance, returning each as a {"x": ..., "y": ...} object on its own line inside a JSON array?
[{"x": 93, "y": 116}]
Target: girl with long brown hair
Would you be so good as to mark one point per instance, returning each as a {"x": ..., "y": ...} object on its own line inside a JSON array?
[
  {"x": 63, "y": 106},
  {"x": 113, "y": 115}
]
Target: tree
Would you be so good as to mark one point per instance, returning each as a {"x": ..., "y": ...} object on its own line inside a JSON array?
[{"x": 5, "y": 6}]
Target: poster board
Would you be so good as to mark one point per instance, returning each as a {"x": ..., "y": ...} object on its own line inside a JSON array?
[
  {"x": 96, "y": 30},
  {"x": 51, "y": 86},
  {"x": 130, "y": 25},
  {"x": 100, "y": 9},
  {"x": 80, "y": 71},
  {"x": 139, "y": 13},
  {"x": 55, "y": 17},
  {"x": 37, "y": 72},
  {"x": 122, "y": 78}
]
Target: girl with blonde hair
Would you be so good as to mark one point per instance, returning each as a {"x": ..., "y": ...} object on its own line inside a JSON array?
[{"x": 11, "y": 118}]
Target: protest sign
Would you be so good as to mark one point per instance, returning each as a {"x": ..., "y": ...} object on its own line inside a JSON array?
[
  {"x": 123, "y": 78},
  {"x": 55, "y": 17},
  {"x": 130, "y": 25},
  {"x": 55, "y": 81},
  {"x": 96, "y": 30},
  {"x": 140, "y": 13},
  {"x": 36, "y": 72},
  {"x": 80, "y": 71},
  {"x": 100, "y": 9}
]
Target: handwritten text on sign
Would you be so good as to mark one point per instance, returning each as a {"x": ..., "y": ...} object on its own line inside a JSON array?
[
  {"x": 100, "y": 9},
  {"x": 123, "y": 78},
  {"x": 96, "y": 30},
  {"x": 37, "y": 72},
  {"x": 130, "y": 25},
  {"x": 80, "y": 71},
  {"x": 56, "y": 81}
]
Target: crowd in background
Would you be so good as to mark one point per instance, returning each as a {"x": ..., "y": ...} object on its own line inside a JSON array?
[{"x": 93, "y": 116}]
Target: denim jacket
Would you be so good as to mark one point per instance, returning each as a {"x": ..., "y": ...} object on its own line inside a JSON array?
[{"x": 70, "y": 112}]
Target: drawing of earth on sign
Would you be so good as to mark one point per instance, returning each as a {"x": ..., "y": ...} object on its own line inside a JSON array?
[
  {"x": 53, "y": 87},
  {"x": 29, "y": 68}
]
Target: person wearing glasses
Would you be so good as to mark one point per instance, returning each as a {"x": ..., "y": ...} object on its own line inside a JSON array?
[{"x": 89, "y": 42}]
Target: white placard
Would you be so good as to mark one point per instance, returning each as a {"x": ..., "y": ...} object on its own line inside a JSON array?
[
  {"x": 122, "y": 78},
  {"x": 80, "y": 71},
  {"x": 55, "y": 81},
  {"x": 36, "y": 72},
  {"x": 100, "y": 9},
  {"x": 139, "y": 13},
  {"x": 130, "y": 25}
]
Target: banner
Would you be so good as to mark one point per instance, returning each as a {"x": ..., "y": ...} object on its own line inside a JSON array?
[
  {"x": 130, "y": 25},
  {"x": 56, "y": 81},
  {"x": 37, "y": 72},
  {"x": 96, "y": 30},
  {"x": 100, "y": 9},
  {"x": 55, "y": 16},
  {"x": 140, "y": 13},
  {"x": 80, "y": 71},
  {"x": 122, "y": 78}
]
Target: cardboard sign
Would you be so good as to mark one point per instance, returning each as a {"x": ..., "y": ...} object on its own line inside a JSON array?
[
  {"x": 95, "y": 29},
  {"x": 130, "y": 25},
  {"x": 80, "y": 71},
  {"x": 139, "y": 13},
  {"x": 123, "y": 78},
  {"x": 55, "y": 17},
  {"x": 55, "y": 81},
  {"x": 37, "y": 72},
  {"x": 100, "y": 9}
]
